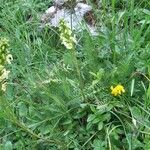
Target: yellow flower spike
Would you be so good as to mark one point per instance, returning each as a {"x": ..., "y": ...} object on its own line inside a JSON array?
[
  {"x": 5, "y": 58},
  {"x": 9, "y": 58},
  {"x": 4, "y": 85},
  {"x": 1, "y": 67},
  {"x": 118, "y": 90},
  {"x": 66, "y": 35},
  {"x": 4, "y": 74}
]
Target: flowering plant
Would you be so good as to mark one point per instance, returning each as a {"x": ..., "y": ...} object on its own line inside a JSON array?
[
  {"x": 66, "y": 35},
  {"x": 5, "y": 58}
]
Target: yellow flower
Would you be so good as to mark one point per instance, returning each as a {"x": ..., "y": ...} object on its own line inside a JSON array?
[
  {"x": 1, "y": 67},
  {"x": 66, "y": 35},
  {"x": 9, "y": 58},
  {"x": 3, "y": 78},
  {"x": 4, "y": 44},
  {"x": 4, "y": 86},
  {"x": 5, "y": 58},
  {"x": 118, "y": 90},
  {"x": 4, "y": 74}
]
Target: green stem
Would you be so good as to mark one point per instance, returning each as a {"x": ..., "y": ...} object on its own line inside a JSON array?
[{"x": 81, "y": 85}]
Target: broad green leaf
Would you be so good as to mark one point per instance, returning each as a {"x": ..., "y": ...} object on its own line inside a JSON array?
[
  {"x": 22, "y": 109},
  {"x": 91, "y": 117},
  {"x": 98, "y": 144},
  {"x": 8, "y": 146}
]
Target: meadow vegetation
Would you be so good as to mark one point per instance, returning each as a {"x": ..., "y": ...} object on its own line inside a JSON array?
[{"x": 74, "y": 91}]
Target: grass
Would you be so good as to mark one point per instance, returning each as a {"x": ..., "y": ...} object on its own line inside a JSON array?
[{"x": 49, "y": 105}]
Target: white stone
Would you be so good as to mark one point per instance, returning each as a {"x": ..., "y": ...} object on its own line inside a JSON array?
[
  {"x": 75, "y": 20},
  {"x": 51, "y": 10},
  {"x": 72, "y": 19},
  {"x": 82, "y": 8},
  {"x": 59, "y": 2}
]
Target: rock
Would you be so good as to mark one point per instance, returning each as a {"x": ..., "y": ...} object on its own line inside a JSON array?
[
  {"x": 49, "y": 13},
  {"x": 82, "y": 9},
  {"x": 75, "y": 19},
  {"x": 51, "y": 10},
  {"x": 59, "y": 2},
  {"x": 72, "y": 19}
]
